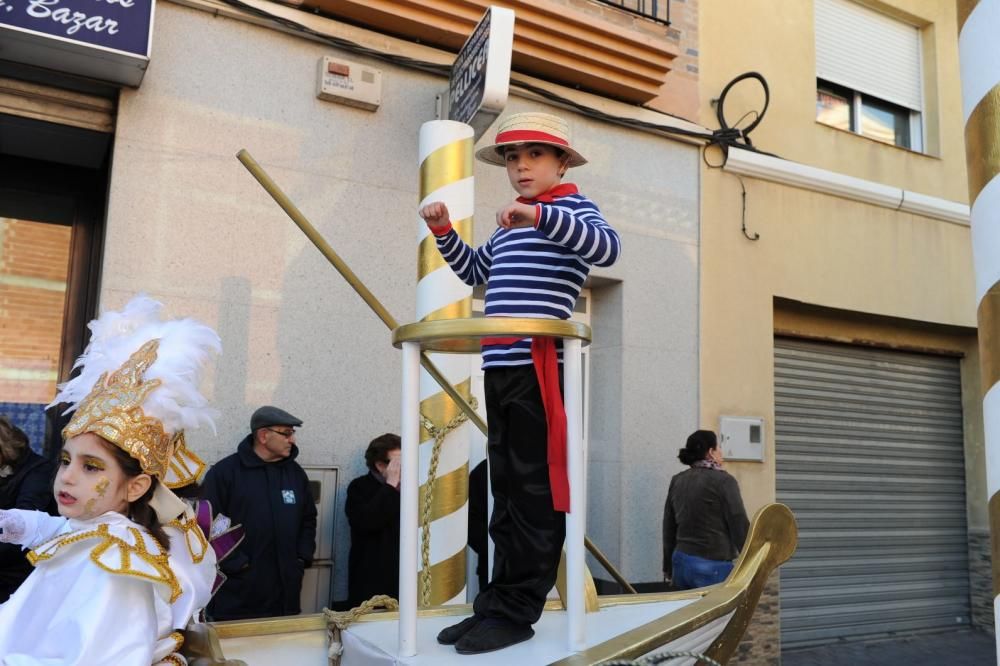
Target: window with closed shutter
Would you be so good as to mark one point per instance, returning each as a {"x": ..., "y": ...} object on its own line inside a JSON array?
[{"x": 869, "y": 73}]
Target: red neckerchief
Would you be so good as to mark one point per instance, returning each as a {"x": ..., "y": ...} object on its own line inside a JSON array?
[{"x": 557, "y": 192}]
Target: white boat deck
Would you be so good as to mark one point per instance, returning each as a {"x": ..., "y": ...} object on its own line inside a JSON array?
[{"x": 374, "y": 643}]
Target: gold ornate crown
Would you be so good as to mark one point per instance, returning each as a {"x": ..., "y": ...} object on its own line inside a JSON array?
[{"x": 113, "y": 410}]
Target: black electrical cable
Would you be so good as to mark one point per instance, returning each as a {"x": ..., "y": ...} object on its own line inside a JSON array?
[{"x": 720, "y": 112}]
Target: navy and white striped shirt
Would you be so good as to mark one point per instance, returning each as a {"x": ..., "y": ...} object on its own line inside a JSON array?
[{"x": 534, "y": 271}]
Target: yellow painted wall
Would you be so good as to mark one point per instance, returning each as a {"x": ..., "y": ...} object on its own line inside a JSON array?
[
  {"x": 775, "y": 38},
  {"x": 814, "y": 248}
]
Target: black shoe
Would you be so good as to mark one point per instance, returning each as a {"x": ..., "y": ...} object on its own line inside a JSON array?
[
  {"x": 450, "y": 635},
  {"x": 493, "y": 634}
]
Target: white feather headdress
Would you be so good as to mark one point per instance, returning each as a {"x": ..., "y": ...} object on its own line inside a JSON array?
[{"x": 138, "y": 382}]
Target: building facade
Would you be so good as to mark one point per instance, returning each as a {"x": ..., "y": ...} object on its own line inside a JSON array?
[
  {"x": 822, "y": 290},
  {"x": 157, "y": 202},
  {"x": 837, "y": 306}
]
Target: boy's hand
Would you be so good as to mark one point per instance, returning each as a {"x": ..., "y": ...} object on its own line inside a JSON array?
[
  {"x": 435, "y": 214},
  {"x": 515, "y": 216}
]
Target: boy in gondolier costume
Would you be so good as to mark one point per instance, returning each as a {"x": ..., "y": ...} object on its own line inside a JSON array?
[{"x": 533, "y": 265}]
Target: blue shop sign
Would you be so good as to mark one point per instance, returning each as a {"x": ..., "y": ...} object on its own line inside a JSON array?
[{"x": 104, "y": 39}]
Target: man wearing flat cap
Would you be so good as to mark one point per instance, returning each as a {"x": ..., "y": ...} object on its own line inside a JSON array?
[{"x": 262, "y": 487}]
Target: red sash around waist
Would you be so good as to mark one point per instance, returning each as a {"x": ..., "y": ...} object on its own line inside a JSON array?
[{"x": 546, "y": 361}]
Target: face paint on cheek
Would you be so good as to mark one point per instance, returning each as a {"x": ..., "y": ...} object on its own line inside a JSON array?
[
  {"x": 89, "y": 506},
  {"x": 102, "y": 486}
]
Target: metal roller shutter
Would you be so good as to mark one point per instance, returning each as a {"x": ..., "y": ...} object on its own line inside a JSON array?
[{"x": 869, "y": 457}]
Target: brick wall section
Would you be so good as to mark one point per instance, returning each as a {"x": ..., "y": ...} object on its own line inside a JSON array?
[
  {"x": 761, "y": 646},
  {"x": 34, "y": 258},
  {"x": 679, "y": 94},
  {"x": 981, "y": 580}
]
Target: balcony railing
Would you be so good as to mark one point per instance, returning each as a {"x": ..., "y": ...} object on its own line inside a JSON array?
[{"x": 656, "y": 10}]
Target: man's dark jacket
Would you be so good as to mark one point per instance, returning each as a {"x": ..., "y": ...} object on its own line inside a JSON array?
[
  {"x": 272, "y": 502},
  {"x": 28, "y": 487},
  {"x": 373, "y": 566}
]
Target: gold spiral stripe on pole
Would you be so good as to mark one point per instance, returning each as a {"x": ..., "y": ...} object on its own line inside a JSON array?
[
  {"x": 457, "y": 310},
  {"x": 449, "y": 493},
  {"x": 988, "y": 317},
  {"x": 982, "y": 142},
  {"x": 964, "y": 8},
  {"x": 994, "y": 541},
  {"x": 428, "y": 257},
  {"x": 441, "y": 409},
  {"x": 449, "y": 578},
  {"x": 446, "y": 165}
]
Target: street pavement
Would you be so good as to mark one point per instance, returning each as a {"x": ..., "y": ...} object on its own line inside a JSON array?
[{"x": 954, "y": 648}]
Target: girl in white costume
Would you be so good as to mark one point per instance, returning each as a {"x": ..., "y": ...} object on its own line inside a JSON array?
[{"x": 125, "y": 565}]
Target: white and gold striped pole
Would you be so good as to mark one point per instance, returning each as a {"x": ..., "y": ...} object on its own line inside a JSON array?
[
  {"x": 445, "y": 175},
  {"x": 978, "y": 26}
]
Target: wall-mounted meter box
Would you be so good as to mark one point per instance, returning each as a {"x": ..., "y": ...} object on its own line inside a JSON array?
[
  {"x": 349, "y": 83},
  {"x": 742, "y": 438}
]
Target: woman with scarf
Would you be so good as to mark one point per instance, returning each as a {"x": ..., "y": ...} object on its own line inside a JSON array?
[{"x": 704, "y": 522}]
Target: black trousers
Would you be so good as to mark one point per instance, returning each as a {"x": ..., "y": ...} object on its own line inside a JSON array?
[{"x": 527, "y": 532}]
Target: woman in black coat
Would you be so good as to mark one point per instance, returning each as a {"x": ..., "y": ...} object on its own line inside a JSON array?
[{"x": 25, "y": 483}]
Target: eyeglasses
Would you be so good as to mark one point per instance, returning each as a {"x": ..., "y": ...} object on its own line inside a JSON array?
[{"x": 284, "y": 433}]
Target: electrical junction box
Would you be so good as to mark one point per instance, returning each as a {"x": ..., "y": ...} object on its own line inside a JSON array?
[
  {"x": 742, "y": 438},
  {"x": 348, "y": 83}
]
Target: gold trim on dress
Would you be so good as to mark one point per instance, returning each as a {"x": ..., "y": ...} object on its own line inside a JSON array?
[
  {"x": 157, "y": 561},
  {"x": 191, "y": 530}
]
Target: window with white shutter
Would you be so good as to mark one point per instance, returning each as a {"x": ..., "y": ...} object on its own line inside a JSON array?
[{"x": 869, "y": 76}]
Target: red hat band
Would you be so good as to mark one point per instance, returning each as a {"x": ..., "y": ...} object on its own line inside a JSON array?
[{"x": 529, "y": 136}]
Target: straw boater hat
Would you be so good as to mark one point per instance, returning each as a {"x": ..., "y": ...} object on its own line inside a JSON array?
[{"x": 530, "y": 128}]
